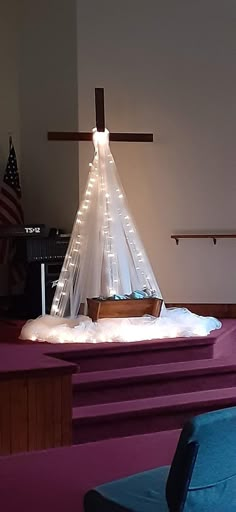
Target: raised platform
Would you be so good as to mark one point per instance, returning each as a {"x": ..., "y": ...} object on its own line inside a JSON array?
[
  {"x": 107, "y": 356},
  {"x": 122, "y": 389}
]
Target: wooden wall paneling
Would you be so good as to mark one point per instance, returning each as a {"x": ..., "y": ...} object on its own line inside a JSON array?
[
  {"x": 46, "y": 397},
  {"x": 32, "y": 415},
  {"x": 66, "y": 400},
  {"x": 5, "y": 418},
  {"x": 18, "y": 415},
  {"x": 57, "y": 411},
  {"x": 50, "y": 412}
]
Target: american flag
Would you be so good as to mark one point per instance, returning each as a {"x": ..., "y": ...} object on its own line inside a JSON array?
[{"x": 11, "y": 212}]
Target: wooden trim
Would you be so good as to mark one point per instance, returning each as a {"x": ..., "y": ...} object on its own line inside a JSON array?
[
  {"x": 35, "y": 413},
  {"x": 209, "y": 235},
  {"x": 208, "y": 309}
]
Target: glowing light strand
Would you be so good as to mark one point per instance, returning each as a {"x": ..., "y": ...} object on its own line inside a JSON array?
[{"x": 105, "y": 255}]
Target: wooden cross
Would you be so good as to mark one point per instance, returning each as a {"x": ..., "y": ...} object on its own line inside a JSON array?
[{"x": 100, "y": 125}]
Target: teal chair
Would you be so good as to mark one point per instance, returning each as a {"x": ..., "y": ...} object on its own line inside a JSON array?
[{"x": 201, "y": 478}]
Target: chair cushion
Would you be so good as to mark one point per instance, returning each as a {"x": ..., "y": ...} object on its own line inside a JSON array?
[{"x": 143, "y": 492}]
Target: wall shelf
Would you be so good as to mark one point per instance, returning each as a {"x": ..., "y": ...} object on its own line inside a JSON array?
[{"x": 214, "y": 237}]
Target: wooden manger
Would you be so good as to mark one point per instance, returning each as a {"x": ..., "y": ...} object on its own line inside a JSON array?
[{"x": 123, "y": 308}]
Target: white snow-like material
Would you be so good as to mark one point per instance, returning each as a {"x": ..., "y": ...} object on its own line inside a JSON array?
[{"x": 174, "y": 323}]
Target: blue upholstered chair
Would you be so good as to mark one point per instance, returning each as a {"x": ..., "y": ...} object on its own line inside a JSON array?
[{"x": 201, "y": 478}]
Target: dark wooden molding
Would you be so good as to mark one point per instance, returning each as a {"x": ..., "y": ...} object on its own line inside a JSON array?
[{"x": 208, "y": 309}]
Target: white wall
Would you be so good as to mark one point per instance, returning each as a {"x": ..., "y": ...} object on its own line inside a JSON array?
[
  {"x": 48, "y": 101},
  {"x": 169, "y": 67}
]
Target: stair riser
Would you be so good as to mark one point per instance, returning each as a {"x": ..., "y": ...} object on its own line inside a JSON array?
[
  {"x": 144, "y": 389},
  {"x": 140, "y": 358},
  {"x": 123, "y": 426}
]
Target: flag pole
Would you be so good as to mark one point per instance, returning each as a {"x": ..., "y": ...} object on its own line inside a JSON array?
[{"x": 10, "y": 140}]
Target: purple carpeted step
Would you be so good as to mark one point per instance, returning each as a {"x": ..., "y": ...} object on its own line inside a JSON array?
[
  {"x": 153, "y": 380},
  {"x": 107, "y": 356},
  {"x": 145, "y": 415}
]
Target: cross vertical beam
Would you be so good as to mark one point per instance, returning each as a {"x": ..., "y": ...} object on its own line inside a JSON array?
[{"x": 100, "y": 109}]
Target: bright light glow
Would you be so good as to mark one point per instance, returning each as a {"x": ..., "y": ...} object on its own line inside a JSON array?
[
  {"x": 100, "y": 138},
  {"x": 55, "y": 308}
]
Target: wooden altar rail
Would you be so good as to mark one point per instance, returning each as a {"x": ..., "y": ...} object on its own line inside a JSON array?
[{"x": 210, "y": 235}]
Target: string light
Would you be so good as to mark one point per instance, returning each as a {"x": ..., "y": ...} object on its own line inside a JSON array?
[
  {"x": 105, "y": 197},
  {"x": 55, "y": 308}
]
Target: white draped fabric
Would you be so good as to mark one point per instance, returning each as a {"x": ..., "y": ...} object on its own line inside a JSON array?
[{"x": 105, "y": 254}]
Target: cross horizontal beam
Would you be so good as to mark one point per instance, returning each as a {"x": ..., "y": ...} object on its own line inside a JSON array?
[{"x": 88, "y": 136}]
